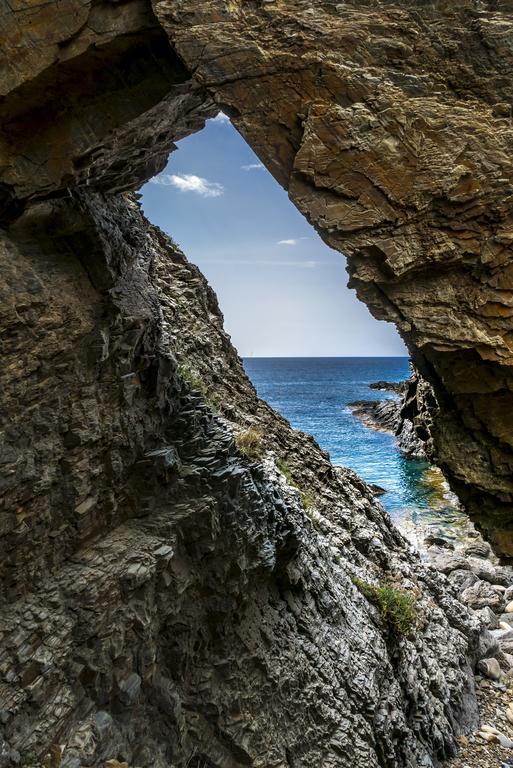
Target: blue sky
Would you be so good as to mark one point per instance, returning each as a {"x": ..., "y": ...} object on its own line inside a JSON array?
[{"x": 282, "y": 290}]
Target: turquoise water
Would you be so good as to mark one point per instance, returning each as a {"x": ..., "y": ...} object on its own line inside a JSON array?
[{"x": 313, "y": 394}]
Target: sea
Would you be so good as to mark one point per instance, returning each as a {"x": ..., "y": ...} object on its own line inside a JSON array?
[{"x": 314, "y": 393}]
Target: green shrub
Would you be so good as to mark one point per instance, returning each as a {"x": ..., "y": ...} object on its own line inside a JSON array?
[
  {"x": 396, "y": 606},
  {"x": 251, "y": 444}
]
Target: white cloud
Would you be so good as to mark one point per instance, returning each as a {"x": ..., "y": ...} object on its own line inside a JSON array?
[
  {"x": 188, "y": 182},
  {"x": 292, "y": 240},
  {"x": 220, "y": 118},
  {"x": 252, "y": 167}
]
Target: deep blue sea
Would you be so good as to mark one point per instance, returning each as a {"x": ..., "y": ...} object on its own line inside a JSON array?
[{"x": 313, "y": 394}]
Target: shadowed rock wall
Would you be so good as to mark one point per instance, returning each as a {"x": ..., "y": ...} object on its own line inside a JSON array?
[{"x": 165, "y": 599}]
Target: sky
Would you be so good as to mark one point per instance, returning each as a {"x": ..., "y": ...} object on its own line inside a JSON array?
[{"x": 281, "y": 289}]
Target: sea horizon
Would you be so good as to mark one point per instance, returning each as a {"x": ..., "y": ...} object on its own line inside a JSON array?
[{"x": 324, "y": 357}]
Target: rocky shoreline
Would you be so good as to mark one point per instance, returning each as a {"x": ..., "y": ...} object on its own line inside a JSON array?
[
  {"x": 389, "y": 416},
  {"x": 486, "y": 588},
  {"x": 478, "y": 580}
]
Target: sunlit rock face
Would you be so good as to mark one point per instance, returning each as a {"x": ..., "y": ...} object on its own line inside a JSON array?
[{"x": 389, "y": 124}]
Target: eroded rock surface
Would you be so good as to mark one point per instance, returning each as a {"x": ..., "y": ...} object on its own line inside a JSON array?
[{"x": 166, "y": 600}]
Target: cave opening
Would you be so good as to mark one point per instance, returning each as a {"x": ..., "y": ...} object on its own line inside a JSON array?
[
  {"x": 308, "y": 345},
  {"x": 282, "y": 290}
]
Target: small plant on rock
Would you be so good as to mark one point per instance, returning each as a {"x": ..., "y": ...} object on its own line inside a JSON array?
[
  {"x": 307, "y": 500},
  {"x": 251, "y": 444},
  {"x": 285, "y": 471},
  {"x": 396, "y": 606},
  {"x": 192, "y": 377}
]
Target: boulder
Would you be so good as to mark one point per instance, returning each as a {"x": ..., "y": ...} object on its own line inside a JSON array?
[
  {"x": 481, "y": 594},
  {"x": 490, "y": 668},
  {"x": 462, "y": 579}
]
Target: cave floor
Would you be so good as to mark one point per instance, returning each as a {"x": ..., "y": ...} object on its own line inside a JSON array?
[{"x": 475, "y": 751}]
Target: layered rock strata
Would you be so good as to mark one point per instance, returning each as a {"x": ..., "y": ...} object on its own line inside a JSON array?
[{"x": 165, "y": 599}]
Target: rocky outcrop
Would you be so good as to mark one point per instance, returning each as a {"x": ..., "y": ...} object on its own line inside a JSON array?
[
  {"x": 382, "y": 415},
  {"x": 167, "y": 600},
  {"x": 399, "y": 415},
  {"x": 398, "y": 387}
]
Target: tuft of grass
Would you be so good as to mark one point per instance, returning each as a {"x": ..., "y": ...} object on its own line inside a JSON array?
[
  {"x": 251, "y": 444},
  {"x": 307, "y": 500},
  {"x": 285, "y": 471},
  {"x": 396, "y": 606},
  {"x": 192, "y": 377}
]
